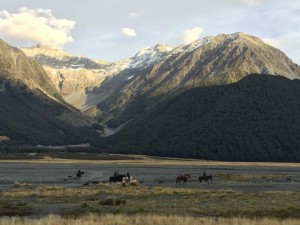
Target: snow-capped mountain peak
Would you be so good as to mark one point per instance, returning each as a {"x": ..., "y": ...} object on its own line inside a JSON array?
[
  {"x": 163, "y": 48},
  {"x": 143, "y": 51},
  {"x": 149, "y": 56},
  {"x": 59, "y": 59}
]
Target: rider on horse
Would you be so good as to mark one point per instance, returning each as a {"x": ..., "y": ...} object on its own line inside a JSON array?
[{"x": 183, "y": 178}]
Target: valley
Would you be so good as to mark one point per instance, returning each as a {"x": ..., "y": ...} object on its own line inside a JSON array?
[
  {"x": 117, "y": 92},
  {"x": 150, "y": 112},
  {"x": 227, "y": 97},
  {"x": 255, "y": 191}
]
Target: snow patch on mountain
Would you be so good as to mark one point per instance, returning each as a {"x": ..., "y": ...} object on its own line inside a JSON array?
[
  {"x": 56, "y": 58},
  {"x": 149, "y": 56},
  {"x": 80, "y": 79}
]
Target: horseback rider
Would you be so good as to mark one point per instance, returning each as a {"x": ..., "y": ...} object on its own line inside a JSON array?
[
  {"x": 78, "y": 175},
  {"x": 204, "y": 174},
  {"x": 184, "y": 177},
  {"x": 128, "y": 176},
  {"x": 116, "y": 173}
]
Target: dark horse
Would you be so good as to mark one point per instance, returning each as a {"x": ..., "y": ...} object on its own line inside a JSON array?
[
  {"x": 183, "y": 178},
  {"x": 78, "y": 174},
  {"x": 205, "y": 178},
  {"x": 117, "y": 178}
]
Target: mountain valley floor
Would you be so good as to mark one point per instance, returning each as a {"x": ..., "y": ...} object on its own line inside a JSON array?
[{"x": 33, "y": 191}]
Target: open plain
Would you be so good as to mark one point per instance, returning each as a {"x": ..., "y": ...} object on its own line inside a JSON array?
[{"x": 45, "y": 189}]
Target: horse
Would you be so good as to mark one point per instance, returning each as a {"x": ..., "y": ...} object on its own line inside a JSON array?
[
  {"x": 205, "y": 178},
  {"x": 183, "y": 178},
  {"x": 117, "y": 178},
  {"x": 78, "y": 174}
]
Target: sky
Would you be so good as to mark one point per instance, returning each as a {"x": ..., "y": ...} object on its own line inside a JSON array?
[{"x": 115, "y": 29}]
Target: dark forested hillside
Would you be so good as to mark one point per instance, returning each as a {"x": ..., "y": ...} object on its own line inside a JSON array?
[
  {"x": 32, "y": 119},
  {"x": 255, "y": 119}
]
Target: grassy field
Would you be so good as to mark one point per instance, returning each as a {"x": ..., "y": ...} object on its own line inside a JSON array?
[
  {"x": 119, "y": 219},
  {"x": 135, "y": 203},
  {"x": 118, "y": 159},
  {"x": 133, "y": 199}
]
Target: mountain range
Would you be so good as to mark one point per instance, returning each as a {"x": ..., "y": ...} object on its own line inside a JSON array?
[
  {"x": 32, "y": 111},
  {"x": 117, "y": 92},
  {"x": 198, "y": 100}
]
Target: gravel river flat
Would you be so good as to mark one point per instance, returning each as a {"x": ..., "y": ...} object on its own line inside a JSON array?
[{"x": 236, "y": 177}]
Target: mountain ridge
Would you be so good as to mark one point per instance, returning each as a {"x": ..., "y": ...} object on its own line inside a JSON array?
[
  {"x": 159, "y": 72},
  {"x": 66, "y": 75},
  {"x": 163, "y": 109},
  {"x": 215, "y": 60},
  {"x": 32, "y": 111},
  {"x": 21, "y": 70},
  {"x": 255, "y": 119}
]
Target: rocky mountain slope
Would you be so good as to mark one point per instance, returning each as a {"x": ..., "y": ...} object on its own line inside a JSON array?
[
  {"x": 59, "y": 59},
  {"x": 255, "y": 119},
  {"x": 77, "y": 77},
  {"x": 71, "y": 75},
  {"x": 32, "y": 111},
  {"x": 120, "y": 91},
  {"x": 17, "y": 69},
  {"x": 214, "y": 60}
]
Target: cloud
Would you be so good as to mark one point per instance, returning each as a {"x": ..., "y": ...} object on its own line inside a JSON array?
[
  {"x": 135, "y": 14},
  {"x": 273, "y": 42},
  {"x": 191, "y": 35},
  {"x": 128, "y": 32},
  {"x": 285, "y": 41},
  {"x": 107, "y": 37},
  {"x": 248, "y": 2},
  {"x": 38, "y": 25},
  {"x": 288, "y": 43}
]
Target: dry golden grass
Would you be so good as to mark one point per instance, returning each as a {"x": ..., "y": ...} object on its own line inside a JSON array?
[
  {"x": 110, "y": 219},
  {"x": 146, "y": 160},
  {"x": 52, "y": 191},
  {"x": 133, "y": 200},
  {"x": 247, "y": 177},
  {"x": 122, "y": 188}
]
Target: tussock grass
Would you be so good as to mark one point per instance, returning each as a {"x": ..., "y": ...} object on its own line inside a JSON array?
[
  {"x": 14, "y": 209},
  {"x": 52, "y": 191},
  {"x": 133, "y": 200},
  {"x": 110, "y": 219},
  {"x": 113, "y": 201},
  {"x": 17, "y": 184},
  {"x": 247, "y": 177}
]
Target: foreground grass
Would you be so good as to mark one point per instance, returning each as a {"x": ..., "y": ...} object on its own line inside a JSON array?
[
  {"x": 110, "y": 219},
  {"x": 136, "y": 199}
]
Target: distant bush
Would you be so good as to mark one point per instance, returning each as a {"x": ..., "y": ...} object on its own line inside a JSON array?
[{"x": 112, "y": 201}]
